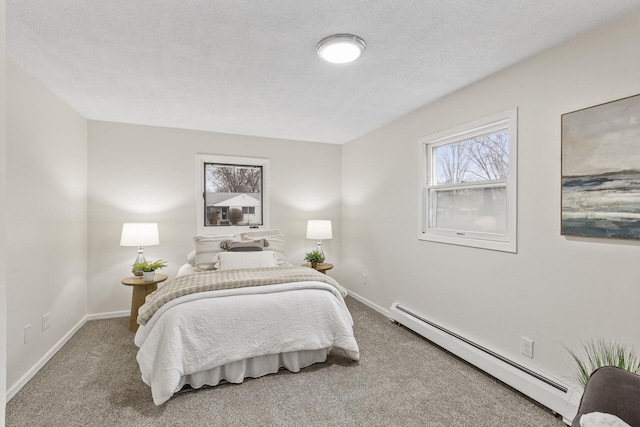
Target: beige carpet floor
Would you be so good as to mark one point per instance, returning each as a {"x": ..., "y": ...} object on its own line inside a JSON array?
[{"x": 401, "y": 380}]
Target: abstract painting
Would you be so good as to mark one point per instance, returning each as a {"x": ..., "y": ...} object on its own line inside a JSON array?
[{"x": 601, "y": 170}]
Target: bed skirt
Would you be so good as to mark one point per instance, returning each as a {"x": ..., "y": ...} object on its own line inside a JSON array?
[{"x": 254, "y": 367}]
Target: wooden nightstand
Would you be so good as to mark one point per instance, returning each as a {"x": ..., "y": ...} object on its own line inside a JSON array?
[
  {"x": 140, "y": 291},
  {"x": 322, "y": 267}
]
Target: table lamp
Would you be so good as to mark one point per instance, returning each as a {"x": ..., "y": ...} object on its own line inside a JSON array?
[
  {"x": 139, "y": 234},
  {"x": 319, "y": 229}
]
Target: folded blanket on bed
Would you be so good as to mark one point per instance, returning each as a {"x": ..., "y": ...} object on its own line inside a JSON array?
[{"x": 230, "y": 279}]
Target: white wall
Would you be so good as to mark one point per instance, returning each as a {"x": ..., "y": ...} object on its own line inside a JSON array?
[
  {"x": 556, "y": 290},
  {"x": 148, "y": 174},
  {"x": 3, "y": 254},
  {"x": 46, "y": 219}
]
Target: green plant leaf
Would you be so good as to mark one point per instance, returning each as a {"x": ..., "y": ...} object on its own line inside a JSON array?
[
  {"x": 314, "y": 256},
  {"x": 601, "y": 353},
  {"x": 147, "y": 266}
]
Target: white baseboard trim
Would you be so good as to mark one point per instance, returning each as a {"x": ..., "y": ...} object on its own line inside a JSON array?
[
  {"x": 34, "y": 370},
  {"x": 43, "y": 361},
  {"x": 366, "y": 302},
  {"x": 554, "y": 399},
  {"x": 109, "y": 315}
]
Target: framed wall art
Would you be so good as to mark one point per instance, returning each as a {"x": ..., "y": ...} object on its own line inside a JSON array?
[{"x": 601, "y": 170}]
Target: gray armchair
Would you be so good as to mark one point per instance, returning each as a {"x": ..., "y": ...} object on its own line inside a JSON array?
[{"x": 613, "y": 391}]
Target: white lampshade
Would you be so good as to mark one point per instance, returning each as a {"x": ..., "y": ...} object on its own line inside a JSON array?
[
  {"x": 319, "y": 229},
  {"x": 139, "y": 234}
]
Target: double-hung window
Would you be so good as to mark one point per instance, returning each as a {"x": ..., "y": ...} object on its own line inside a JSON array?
[{"x": 468, "y": 186}]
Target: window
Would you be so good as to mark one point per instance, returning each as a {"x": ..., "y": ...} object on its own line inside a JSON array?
[
  {"x": 231, "y": 192},
  {"x": 468, "y": 185}
]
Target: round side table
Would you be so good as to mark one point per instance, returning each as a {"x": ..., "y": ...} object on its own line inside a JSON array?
[
  {"x": 140, "y": 291},
  {"x": 322, "y": 267}
]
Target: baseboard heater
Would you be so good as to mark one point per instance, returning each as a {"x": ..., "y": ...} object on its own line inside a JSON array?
[{"x": 543, "y": 389}]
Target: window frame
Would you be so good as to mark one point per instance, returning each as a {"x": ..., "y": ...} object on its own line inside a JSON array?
[
  {"x": 201, "y": 160},
  {"x": 500, "y": 242}
]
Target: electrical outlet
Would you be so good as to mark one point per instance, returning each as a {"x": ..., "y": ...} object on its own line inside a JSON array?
[
  {"x": 27, "y": 334},
  {"x": 526, "y": 347},
  {"x": 46, "y": 321},
  {"x": 364, "y": 279}
]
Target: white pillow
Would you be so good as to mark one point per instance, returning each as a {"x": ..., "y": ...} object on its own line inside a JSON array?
[
  {"x": 238, "y": 260},
  {"x": 207, "y": 247},
  {"x": 251, "y": 235},
  {"x": 275, "y": 239},
  {"x": 191, "y": 258},
  {"x": 600, "y": 419}
]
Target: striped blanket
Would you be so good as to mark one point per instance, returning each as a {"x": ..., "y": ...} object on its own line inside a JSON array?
[{"x": 229, "y": 279}]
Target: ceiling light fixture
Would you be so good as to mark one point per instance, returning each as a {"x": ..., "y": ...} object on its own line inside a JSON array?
[{"x": 340, "y": 48}]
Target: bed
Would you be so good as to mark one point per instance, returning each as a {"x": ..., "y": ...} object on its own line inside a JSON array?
[{"x": 230, "y": 316}]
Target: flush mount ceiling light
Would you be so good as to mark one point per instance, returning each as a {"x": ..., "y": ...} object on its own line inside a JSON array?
[{"x": 340, "y": 48}]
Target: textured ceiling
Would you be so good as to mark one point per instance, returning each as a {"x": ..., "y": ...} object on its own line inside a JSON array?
[{"x": 249, "y": 67}]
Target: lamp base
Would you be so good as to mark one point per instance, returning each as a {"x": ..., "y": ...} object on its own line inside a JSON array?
[
  {"x": 319, "y": 249},
  {"x": 139, "y": 259}
]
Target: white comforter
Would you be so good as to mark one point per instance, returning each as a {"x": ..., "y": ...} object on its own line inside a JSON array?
[{"x": 201, "y": 331}]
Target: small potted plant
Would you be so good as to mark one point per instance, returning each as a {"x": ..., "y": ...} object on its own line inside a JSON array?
[
  {"x": 149, "y": 269},
  {"x": 314, "y": 257}
]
